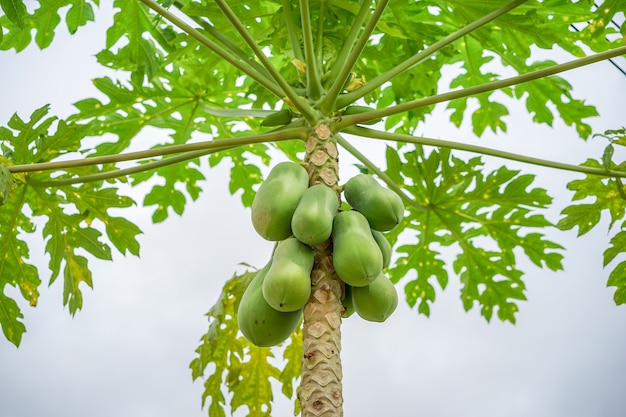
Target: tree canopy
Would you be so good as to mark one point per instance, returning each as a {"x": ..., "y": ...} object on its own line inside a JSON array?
[{"x": 210, "y": 73}]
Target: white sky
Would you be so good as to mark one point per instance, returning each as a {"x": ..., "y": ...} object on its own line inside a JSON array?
[{"x": 127, "y": 353}]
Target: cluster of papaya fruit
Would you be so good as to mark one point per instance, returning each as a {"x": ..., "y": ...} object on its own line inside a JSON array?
[{"x": 298, "y": 217}]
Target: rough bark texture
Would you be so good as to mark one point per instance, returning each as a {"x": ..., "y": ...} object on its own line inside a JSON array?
[{"x": 321, "y": 391}]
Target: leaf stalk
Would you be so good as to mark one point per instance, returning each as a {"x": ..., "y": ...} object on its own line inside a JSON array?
[
  {"x": 221, "y": 52},
  {"x": 298, "y": 102},
  {"x": 421, "y": 56},
  {"x": 285, "y": 133},
  {"x": 479, "y": 89},
  {"x": 401, "y": 137},
  {"x": 328, "y": 102}
]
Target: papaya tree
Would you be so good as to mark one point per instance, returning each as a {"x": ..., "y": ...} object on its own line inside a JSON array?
[{"x": 264, "y": 83}]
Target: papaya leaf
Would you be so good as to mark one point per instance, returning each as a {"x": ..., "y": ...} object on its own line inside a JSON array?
[
  {"x": 79, "y": 14},
  {"x": 26, "y": 133},
  {"x": 134, "y": 52},
  {"x": 10, "y": 316},
  {"x": 188, "y": 106},
  {"x": 15, "y": 270},
  {"x": 617, "y": 279},
  {"x": 244, "y": 176},
  {"x": 292, "y": 370},
  {"x": 72, "y": 216},
  {"x": 602, "y": 195},
  {"x": 618, "y": 245},
  {"x": 15, "y": 11},
  {"x": 43, "y": 21},
  {"x": 6, "y": 183},
  {"x": 169, "y": 196},
  {"x": 65, "y": 234},
  {"x": 481, "y": 218},
  {"x": 241, "y": 367},
  {"x": 94, "y": 201}
]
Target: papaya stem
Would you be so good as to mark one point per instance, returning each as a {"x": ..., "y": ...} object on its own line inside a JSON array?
[
  {"x": 478, "y": 89},
  {"x": 298, "y": 102},
  {"x": 221, "y": 52},
  {"x": 320, "y": 392},
  {"x": 328, "y": 102},
  {"x": 342, "y": 57},
  {"x": 291, "y": 30},
  {"x": 280, "y": 134},
  {"x": 401, "y": 137},
  {"x": 227, "y": 42},
  {"x": 314, "y": 85},
  {"x": 127, "y": 171}
]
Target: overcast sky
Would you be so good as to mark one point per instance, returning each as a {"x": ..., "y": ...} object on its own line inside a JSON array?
[{"x": 127, "y": 353}]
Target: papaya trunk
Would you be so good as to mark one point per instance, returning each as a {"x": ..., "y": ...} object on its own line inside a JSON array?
[{"x": 320, "y": 392}]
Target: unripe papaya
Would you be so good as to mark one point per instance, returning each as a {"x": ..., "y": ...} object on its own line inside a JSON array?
[
  {"x": 376, "y": 301},
  {"x": 312, "y": 222},
  {"x": 276, "y": 200},
  {"x": 382, "y": 207},
  {"x": 258, "y": 321},
  {"x": 348, "y": 305},
  {"x": 287, "y": 285},
  {"x": 356, "y": 256},
  {"x": 384, "y": 245},
  {"x": 279, "y": 118}
]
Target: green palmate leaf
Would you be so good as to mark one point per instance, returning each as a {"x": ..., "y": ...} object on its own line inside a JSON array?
[
  {"x": 605, "y": 195},
  {"x": 244, "y": 176},
  {"x": 43, "y": 21},
  {"x": 617, "y": 279},
  {"x": 618, "y": 245},
  {"x": 292, "y": 369},
  {"x": 72, "y": 217},
  {"x": 15, "y": 11},
  {"x": 243, "y": 368},
  {"x": 511, "y": 40},
  {"x": 66, "y": 234},
  {"x": 10, "y": 316},
  {"x": 169, "y": 196},
  {"x": 409, "y": 27},
  {"x": 137, "y": 53},
  {"x": 14, "y": 267},
  {"x": 75, "y": 272},
  {"x": 20, "y": 134},
  {"x": 187, "y": 102},
  {"x": 78, "y": 15},
  {"x": 94, "y": 201},
  {"x": 482, "y": 218},
  {"x": 602, "y": 195},
  {"x": 253, "y": 389}
]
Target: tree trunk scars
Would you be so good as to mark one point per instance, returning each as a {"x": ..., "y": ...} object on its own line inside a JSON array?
[{"x": 320, "y": 391}]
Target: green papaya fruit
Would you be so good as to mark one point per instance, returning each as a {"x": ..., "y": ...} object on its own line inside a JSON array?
[
  {"x": 258, "y": 321},
  {"x": 276, "y": 200},
  {"x": 287, "y": 285},
  {"x": 382, "y": 207},
  {"x": 348, "y": 305},
  {"x": 356, "y": 256},
  {"x": 384, "y": 245},
  {"x": 358, "y": 110},
  {"x": 376, "y": 301},
  {"x": 279, "y": 118},
  {"x": 312, "y": 221}
]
